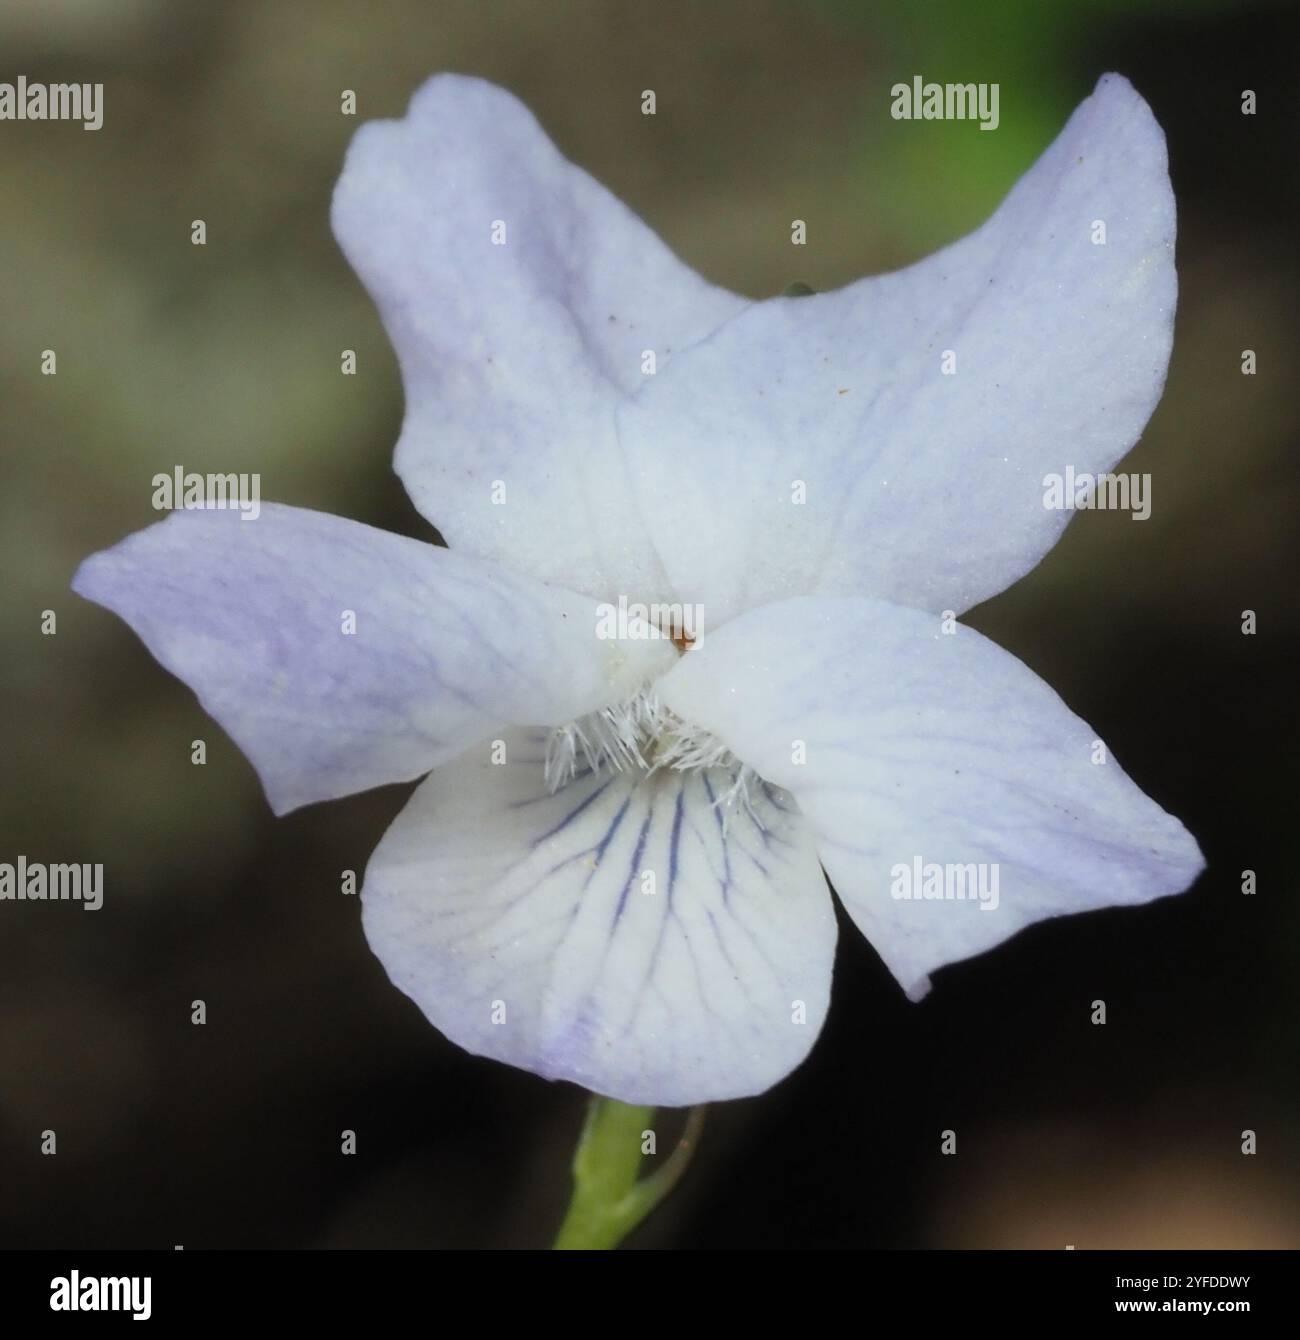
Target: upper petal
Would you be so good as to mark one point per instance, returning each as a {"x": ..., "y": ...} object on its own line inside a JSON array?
[
  {"x": 254, "y": 617},
  {"x": 922, "y": 487},
  {"x": 610, "y": 934},
  {"x": 900, "y": 743},
  {"x": 514, "y": 352}
]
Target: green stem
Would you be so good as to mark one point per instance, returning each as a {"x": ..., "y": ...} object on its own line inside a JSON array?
[{"x": 609, "y": 1198}]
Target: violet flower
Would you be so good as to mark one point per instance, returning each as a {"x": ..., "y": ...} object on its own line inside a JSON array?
[{"x": 613, "y": 873}]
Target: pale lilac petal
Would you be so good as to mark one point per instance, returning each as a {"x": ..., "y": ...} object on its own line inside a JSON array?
[
  {"x": 520, "y": 923},
  {"x": 900, "y": 741},
  {"x": 514, "y": 355},
  {"x": 447, "y": 649},
  {"x": 923, "y": 488}
]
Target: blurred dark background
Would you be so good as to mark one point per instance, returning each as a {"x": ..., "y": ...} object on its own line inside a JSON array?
[{"x": 226, "y": 357}]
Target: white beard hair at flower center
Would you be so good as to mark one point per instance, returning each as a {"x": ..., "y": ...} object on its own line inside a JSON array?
[{"x": 642, "y": 735}]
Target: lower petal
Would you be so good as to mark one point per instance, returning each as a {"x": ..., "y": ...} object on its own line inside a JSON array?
[{"x": 612, "y": 934}]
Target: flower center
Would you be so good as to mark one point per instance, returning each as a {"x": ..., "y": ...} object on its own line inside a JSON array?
[{"x": 642, "y": 735}]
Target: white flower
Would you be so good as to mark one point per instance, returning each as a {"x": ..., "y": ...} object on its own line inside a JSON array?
[{"x": 613, "y": 872}]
